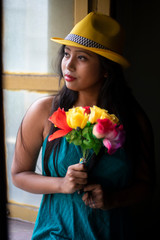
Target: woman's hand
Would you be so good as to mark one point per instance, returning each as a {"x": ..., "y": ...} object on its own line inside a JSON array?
[
  {"x": 95, "y": 197},
  {"x": 75, "y": 179}
]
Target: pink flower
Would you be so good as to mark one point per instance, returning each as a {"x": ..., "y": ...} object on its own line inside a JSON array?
[
  {"x": 103, "y": 127},
  {"x": 113, "y": 143},
  {"x": 113, "y": 135}
]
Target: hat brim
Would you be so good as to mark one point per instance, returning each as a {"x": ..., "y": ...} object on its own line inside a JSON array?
[{"x": 113, "y": 56}]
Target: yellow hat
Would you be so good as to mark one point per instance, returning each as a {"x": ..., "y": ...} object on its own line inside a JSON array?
[{"x": 100, "y": 34}]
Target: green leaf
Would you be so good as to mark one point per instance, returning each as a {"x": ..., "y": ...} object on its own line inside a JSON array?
[{"x": 85, "y": 138}]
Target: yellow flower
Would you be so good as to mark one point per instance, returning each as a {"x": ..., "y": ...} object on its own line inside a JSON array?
[
  {"x": 99, "y": 113},
  {"x": 76, "y": 117},
  {"x": 96, "y": 113},
  {"x": 113, "y": 118}
]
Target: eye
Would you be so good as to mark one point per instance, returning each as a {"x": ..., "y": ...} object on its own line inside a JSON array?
[
  {"x": 66, "y": 54},
  {"x": 82, "y": 58}
]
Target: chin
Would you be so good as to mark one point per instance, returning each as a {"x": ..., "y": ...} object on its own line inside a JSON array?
[{"x": 71, "y": 87}]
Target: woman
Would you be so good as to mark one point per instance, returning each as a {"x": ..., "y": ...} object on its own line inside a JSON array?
[{"x": 80, "y": 202}]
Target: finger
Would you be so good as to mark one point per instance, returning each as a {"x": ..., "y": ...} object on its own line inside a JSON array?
[
  {"x": 92, "y": 205},
  {"x": 75, "y": 176},
  {"x": 78, "y": 167},
  {"x": 72, "y": 181},
  {"x": 92, "y": 202},
  {"x": 88, "y": 200},
  {"x": 91, "y": 187},
  {"x": 76, "y": 173},
  {"x": 85, "y": 197},
  {"x": 81, "y": 181}
]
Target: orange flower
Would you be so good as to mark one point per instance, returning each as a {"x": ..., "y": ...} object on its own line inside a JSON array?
[{"x": 58, "y": 118}]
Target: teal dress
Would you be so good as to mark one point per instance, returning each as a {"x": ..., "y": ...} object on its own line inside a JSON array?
[{"x": 65, "y": 216}]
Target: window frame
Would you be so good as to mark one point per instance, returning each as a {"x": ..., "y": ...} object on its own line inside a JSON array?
[
  {"x": 48, "y": 82},
  {"x": 45, "y": 83}
]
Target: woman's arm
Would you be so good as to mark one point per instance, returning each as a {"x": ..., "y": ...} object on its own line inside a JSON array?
[
  {"x": 35, "y": 127},
  {"x": 75, "y": 179}
]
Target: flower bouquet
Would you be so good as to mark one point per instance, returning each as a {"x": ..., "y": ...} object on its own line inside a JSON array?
[{"x": 89, "y": 128}]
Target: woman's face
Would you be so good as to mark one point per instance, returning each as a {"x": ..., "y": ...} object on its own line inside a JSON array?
[{"x": 81, "y": 69}]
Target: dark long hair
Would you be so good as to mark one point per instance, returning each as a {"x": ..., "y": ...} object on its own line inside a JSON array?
[{"x": 115, "y": 96}]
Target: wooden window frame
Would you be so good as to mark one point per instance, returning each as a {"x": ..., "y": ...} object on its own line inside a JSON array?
[
  {"x": 45, "y": 83},
  {"x": 31, "y": 82},
  {"x": 49, "y": 83}
]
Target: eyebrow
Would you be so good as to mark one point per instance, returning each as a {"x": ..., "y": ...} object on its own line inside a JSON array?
[{"x": 81, "y": 50}]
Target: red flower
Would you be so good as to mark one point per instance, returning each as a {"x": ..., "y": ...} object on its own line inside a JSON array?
[
  {"x": 58, "y": 118},
  {"x": 87, "y": 110}
]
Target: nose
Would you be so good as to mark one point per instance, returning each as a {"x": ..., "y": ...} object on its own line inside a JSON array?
[{"x": 70, "y": 64}]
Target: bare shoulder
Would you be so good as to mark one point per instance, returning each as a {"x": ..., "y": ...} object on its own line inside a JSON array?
[
  {"x": 31, "y": 135},
  {"x": 37, "y": 115},
  {"x": 43, "y": 103}
]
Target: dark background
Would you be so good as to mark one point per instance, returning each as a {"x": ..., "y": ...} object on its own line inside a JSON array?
[
  {"x": 3, "y": 222},
  {"x": 141, "y": 21}
]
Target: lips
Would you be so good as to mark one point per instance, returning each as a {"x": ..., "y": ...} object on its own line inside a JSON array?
[{"x": 69, "y": 78}]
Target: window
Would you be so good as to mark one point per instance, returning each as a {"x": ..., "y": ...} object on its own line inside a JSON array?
[
  {"x": 29, "y": 70},
  {"x": 28, "y": 56}
]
